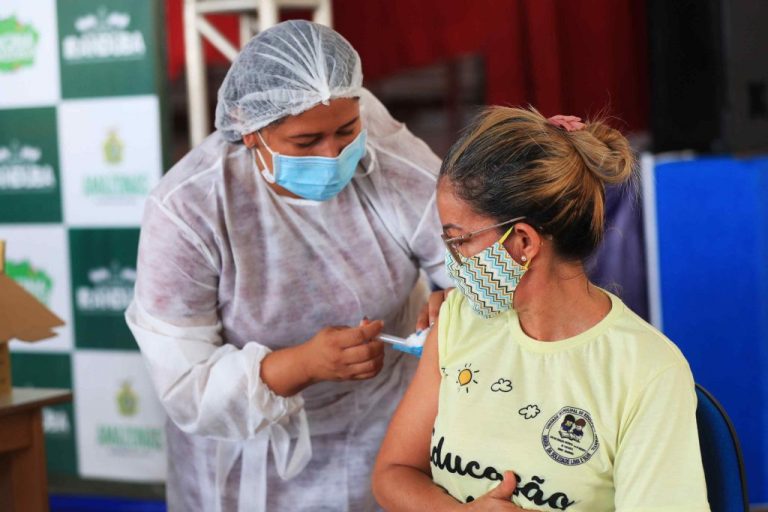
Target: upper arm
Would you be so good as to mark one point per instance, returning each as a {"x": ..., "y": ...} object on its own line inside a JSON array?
[
  {"x": 177, "y": 279},
  {"x": 409, "y": 435},
  {"x": 658, "y": 460}
]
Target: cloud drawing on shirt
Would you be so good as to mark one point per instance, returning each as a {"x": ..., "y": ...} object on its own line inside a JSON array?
[
  {"x": 502, "y": 385},
  {"x": 529, "y": 412}
]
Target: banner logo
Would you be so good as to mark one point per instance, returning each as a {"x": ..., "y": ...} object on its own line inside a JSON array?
[
  {"x": 103, "y": 36},
  {"x": 129, "y": 439},
  {"x": 56, "y": 422},
  {"x": 35, "y": 281},
  {"x": 22, "y": 171},
  {"x": 110, "y": 292},
  {"x": 127, "y": 400},
  {"x": 115, "y": 183},
  {"x": 113, "y": 148},
  {"x": 18, "y": 44}
]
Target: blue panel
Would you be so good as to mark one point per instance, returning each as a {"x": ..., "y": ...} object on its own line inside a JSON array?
[
  {"x": 713, "y": 259},
  {"x": 99, "y": 504}
]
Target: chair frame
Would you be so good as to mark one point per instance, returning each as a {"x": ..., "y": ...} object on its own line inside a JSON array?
[{"x": 735, "y": 439}]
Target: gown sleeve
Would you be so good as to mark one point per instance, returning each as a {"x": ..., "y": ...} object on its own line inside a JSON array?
[{"x": 207, "y": 387}]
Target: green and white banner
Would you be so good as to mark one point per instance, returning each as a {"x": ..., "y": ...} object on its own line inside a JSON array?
[
  {"x": 30, "y": 181},
  {"x": 103, "y": 275},
  {"x": 80, "y": 149},
  {"x": 29, "y": 66},
  {"x": 108, "y": 47},
  {"x": 38, "y": 259},
  {"x": 120, "y": 431},
  {"x": 110, "y": 158},
  {"x": 51, "y": 371}
]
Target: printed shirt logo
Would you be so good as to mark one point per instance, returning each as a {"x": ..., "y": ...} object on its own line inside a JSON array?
[
  {"x": 115, "y": 182},
  {"x": 18, "y": 44},
  {"x": 22, "y": 171},
  {"x": 33, "y": 280},
  {"x": 103, "y": 36},
  {"x": 569, "y": 437},
  {"x": 111, "y": 290}
]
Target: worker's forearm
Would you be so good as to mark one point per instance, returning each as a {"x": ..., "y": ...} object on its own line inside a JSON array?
[
  {"x": 284, "y": 371},
  {"x": 406, "y": 489}
]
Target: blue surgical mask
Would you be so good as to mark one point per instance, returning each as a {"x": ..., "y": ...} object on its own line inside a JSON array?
[{"x": 314, "y": 177}]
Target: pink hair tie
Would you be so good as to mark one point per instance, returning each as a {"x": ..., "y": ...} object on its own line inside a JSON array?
[{"x": 567, "y": 123}]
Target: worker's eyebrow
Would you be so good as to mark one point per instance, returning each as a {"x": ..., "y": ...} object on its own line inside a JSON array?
[
  {"x": 315, "y": 135},
  {"x": 349, "y": 123}
]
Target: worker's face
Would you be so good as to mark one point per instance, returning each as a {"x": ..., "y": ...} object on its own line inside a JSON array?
[{"x": 323, "y": 130}]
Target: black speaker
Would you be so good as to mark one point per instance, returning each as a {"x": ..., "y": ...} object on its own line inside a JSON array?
[{"x": 709, "y": 75}]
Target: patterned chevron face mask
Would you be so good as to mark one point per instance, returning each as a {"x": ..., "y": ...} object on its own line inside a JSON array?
[{"x": 487, "y": 279}]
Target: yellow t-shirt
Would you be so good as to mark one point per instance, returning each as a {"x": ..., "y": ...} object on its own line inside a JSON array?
[{"x": 599, "y": 422}]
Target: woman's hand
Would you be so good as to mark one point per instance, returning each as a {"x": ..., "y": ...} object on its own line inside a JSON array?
[
  {"x": 498, "y": 498},
  {"x": 431, "y": 309},
  {"x": 344, "y": 353}
]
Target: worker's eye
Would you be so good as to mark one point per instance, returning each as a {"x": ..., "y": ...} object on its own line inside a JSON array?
[
  {"x": 345, "y": 133},
  {"x": 305, "y": 145}
]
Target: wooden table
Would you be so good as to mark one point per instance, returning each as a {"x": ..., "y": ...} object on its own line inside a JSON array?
[{"x": 23, "y": 477}]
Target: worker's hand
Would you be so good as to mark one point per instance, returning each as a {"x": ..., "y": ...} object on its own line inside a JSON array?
[
  {"x": 431, "y": 309},
  {"x": 498, "y": 498},
  {"x": 344, "y": 353}
]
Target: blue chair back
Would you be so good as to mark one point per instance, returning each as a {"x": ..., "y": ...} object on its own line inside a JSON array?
[{"x": 721, "y": 456}]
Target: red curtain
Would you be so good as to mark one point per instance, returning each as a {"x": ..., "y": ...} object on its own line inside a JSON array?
[{"x": 581, "y": 58}]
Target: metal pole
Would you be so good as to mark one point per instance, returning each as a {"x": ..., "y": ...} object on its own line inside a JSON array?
[
  {"x": 269, "y": 15},
  {"x": 323, "y": 13},
  {"x": 214, "y": 37},
  {"x": 197, "y": 89},
  {"x": 246, "y": 25},
  {"x": 255, "y": 16}
]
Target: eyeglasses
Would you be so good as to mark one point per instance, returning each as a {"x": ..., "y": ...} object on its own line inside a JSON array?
[{"x": 452, "y": 244}]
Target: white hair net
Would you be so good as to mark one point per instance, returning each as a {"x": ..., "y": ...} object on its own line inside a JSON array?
[{"x": 286, "y": 70}]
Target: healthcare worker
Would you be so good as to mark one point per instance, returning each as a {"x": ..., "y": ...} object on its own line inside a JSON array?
[{"x": 271, "y": 257}]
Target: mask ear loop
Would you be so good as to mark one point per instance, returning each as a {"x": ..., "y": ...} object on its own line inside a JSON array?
[
  {"x": 373, "y": 160},
  {"x": 522, "y": 258},
  {"x": 268, "y": 175}
]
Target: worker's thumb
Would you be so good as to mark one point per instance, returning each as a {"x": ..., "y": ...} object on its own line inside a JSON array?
[
  {"x": 504, "y": 490},
  {"x": 372, "y": 329}
]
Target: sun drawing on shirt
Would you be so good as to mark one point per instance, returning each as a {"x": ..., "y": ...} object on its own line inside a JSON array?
[{"x": 466, "y": 376}]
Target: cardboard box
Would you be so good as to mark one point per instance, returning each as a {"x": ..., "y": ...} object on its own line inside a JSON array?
[{"x": 21, "y": 317}]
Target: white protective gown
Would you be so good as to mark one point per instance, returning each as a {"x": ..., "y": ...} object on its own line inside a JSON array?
[{"x": 228, "y": 271}]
